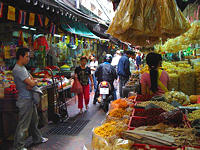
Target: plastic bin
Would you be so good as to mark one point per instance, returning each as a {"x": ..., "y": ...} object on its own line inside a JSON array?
[{"x": 136, "y": 121}]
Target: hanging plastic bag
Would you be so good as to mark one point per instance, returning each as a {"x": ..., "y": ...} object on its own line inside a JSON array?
[
  {"x": 76, "y": 87},
  {"x": 122, "y": 144},
  {"x": 144, "y": 22}
]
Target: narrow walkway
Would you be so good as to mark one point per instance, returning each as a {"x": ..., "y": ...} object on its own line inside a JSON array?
[
  {"x": 65, "y": 142},
  {"x": 61, "y": 142}
]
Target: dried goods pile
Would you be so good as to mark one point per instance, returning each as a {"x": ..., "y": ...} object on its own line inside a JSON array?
[
  {"x": 163, "y": 135},
  {"x": 194, "y": 115},
  {"x": 187, "y": 81},
  {"x": 179, "y": 97},
  {"x": 118, "y": 113},
  {"x": 163, "y": 105},
  {"x": 183, "y": 136},
  {"x": 120, "y": 103},
  {"x": 110, "y": 129},
  {"x": 197, "y": 74},
  {"x": 192, "y": 36},
  {"x": 106, "y": 136},
  {"x": 173, "y": 82}
]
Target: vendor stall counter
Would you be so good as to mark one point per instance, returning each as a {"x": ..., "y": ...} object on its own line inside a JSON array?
[{"x": 9, "y": 111}]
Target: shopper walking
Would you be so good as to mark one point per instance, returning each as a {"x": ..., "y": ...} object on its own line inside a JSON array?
[
  {"x": 93, "y": 67},
  {"x": 83, "y": 74},
  {"x": 124, "y": 70},
  {"x": 132, "y": 62},
  {"x": 116, "y": 59},
  {"x": 28, "y": 117}
]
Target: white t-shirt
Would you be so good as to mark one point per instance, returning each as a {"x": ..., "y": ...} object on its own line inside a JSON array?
[
  {"x": 132, "y": 64},
  {"x": 93, "y": 65},
  {"x": 115, "y": 60}
]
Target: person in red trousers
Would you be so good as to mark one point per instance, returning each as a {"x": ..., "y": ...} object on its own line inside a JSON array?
[{"x": 84, "y": 74}]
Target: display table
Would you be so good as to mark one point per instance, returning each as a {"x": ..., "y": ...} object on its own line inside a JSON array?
[
  {"x": 9, "y": 111},
  {"x": 9, "y": 114},
  {"x": 8, "y": 117}
]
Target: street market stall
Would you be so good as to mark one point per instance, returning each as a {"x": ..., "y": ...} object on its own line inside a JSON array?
[
  {"x": 167, "y": 122},
  {"x": 132, "y": 124}
]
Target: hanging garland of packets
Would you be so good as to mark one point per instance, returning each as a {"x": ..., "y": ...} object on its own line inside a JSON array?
[{"x": 11, "y": 16}]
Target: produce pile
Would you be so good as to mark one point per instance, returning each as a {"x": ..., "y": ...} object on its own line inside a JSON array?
[
  {"x": 179, "y": 97},
  {"x": 194, "y": 115},
  {"x": 119, "y": 103},
  {"x": 187, "y": 81},
  {"x": 173, "y": 82},
  {"x": 144, "y": 22},
  {"x": 197, "y": 74},
  {"x": 163, "y": 135},
  {"x": 118, "y": 113},
  {"x": 192, "y": 36},
  {"x": 183, "y": 136},
  {"x": 109, "y": 129},
  {"x": 165, "y": 106},
  {"x": 106, "y": 136},
  {"x": 194, "y": 105},
  {"x": 6, "y": 79}
]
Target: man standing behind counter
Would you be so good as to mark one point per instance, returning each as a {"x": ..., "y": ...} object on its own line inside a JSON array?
[
  {"x": 28, "y": 117},
  {"x": 124, "y": 70}
]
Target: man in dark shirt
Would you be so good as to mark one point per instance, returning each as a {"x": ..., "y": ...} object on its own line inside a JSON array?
[
  {"x": 138, "y": 61},
  {"x": 105, "y": 72},
  {"x": 123, "y": 70}
]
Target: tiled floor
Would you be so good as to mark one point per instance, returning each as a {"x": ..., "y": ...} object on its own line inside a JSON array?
[{"x": 58, "y": 142}]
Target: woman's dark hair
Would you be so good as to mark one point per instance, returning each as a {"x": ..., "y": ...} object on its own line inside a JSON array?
[
  {"x": 153, "y": 61},
  {"x": 21, "y": 52},
  {"x": 84, "y": 57}
]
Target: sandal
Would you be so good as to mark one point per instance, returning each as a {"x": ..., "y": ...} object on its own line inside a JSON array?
[{"x": 81, "y": 111}]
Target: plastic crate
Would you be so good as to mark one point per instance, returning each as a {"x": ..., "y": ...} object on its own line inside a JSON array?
[
  {"x": 142, "y": 98},
  {"x": 139, "y": 112},
  {"x": 136, "y": 121},
  {"x": 154, "y": 147},
  {"x": 139, "y": 119}
]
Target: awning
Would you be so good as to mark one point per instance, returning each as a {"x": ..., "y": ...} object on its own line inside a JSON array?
[{"x": 76, "y": 28}]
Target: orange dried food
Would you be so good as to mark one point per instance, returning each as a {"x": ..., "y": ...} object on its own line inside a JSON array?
[
  {"x": 118, "y": 113},
  {"x": 120, "y": 103},
  {"x": 132, "y": 97}
]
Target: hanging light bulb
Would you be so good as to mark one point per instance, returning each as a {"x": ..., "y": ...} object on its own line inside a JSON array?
[
  {"x": 53, "y": 10},
  {"x": 57, "y": 12},
  {"x": 66, "y": 14},
  {"x": 28, "y": 1},
  {"x": 42, "y": 5},
  {"x": 47, "y": 7},
  {"x": 35, "y": 3},
  {"x": 61, "y": 12}
]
